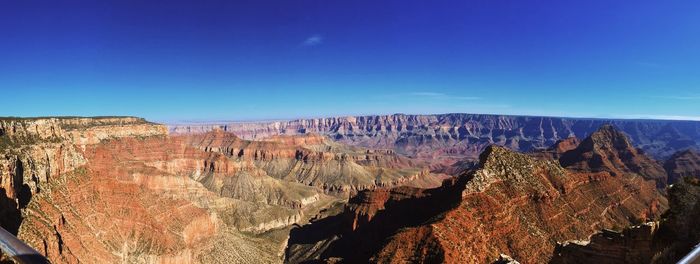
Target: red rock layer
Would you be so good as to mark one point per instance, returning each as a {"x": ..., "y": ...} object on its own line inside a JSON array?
[
  {"x": 108, "y": 210},
  {"x": 315, "y": 161},
  {"x": 608, "y": 149},
  {"x": 664, "y": 242},
  {"x": 35, "y": 151},
  {"x": 521, "y": 207},
  {"x": 558, "y": 149},
  {"x": 105, "y": 193}
]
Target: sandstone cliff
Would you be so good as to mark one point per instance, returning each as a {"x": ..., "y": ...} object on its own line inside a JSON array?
[
  {"x": 666, "y": 241},
  {"x": 521, "y": 207},
  {"x": 34, "y": 151}
]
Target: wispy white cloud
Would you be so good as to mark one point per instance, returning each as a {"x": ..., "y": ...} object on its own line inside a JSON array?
[
  {"x": 434, "y": 95},
  {"x": 314, "y": 40}
]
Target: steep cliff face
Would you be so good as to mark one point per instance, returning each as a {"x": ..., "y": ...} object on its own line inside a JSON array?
[
  {"x": 666, "y": 241},
  {"x": 34, "y": 151},
  {"x": 142, "y": 200},
  {"x": 511, "y": 204},
  {"x": 683, "y": 164},
  {"x": 451, "y": 137}
]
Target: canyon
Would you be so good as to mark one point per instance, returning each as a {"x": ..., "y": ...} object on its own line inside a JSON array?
[
  {"x": 510, "y": 203},
  {"x": 452, "y": 137},
  {"x": 123, "y": 190},
  {"x": 454, "y": 188}
]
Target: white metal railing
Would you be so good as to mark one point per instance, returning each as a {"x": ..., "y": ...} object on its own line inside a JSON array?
[{"x": 18, "y": 250}]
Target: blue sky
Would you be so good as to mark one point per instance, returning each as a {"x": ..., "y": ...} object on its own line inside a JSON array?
[{"x": 247, "y": 60}]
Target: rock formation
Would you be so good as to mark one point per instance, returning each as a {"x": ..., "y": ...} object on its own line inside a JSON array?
[
  {"x": 33, "y": 151},
  {"x": 385, "y": 189},
  {"x": 123, "y": 190},
  {"x": 451, "y": 137},
  {"x": 664, "y": 242},
  {"x": 511, "y": 204},
  {"x": 519, "y": 206},
  {"x": 360, "y": 228},
  {"x": 683, "y": 164},
  {"x": 555, "y": 151},
  {"x": 608, "y": 149}
]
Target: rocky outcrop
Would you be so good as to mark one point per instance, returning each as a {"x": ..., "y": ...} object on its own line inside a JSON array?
[
  {"x": 450, "y": 137},
  {"x": 520, "y": 206},
  {"x": 558, "y": 149},
  {"x": 683, "y": 164},
  {"x": 608, "y": 149},
  {"x": 34, "y": 151},
  {"x": 666, "y": 241},
  {"x": 511, "y": 203}
]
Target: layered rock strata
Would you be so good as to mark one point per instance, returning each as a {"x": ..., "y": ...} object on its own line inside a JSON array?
[
  {"x": 451, "y": 137},
  {"x": 665, "y": 241},
  {"x": 122, "y": 190},
  {"x": 509, "y": 204},
  {"x": 683, "y": 164}
]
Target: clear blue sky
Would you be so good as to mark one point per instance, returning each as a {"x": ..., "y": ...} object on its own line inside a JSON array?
[{"x": 258, "y": 59}]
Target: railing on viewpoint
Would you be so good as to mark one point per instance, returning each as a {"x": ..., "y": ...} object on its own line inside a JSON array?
[
  {"x": 18, "y": 251},
  {"x": 693, "y": 257}
]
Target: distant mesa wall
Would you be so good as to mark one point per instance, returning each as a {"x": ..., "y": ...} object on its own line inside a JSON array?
[{"x": 464, "y": 135}]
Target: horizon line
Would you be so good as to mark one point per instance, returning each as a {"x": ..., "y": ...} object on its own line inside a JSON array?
[{"x": 617, "y": 117}]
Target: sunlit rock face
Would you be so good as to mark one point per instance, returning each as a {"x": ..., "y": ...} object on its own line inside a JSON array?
[
  {"x": 521, "y": 207},
  {"x": 123, "y": 190},
  {"x": 448, "y": 138},
  {"x": 34, "y": 152}
]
